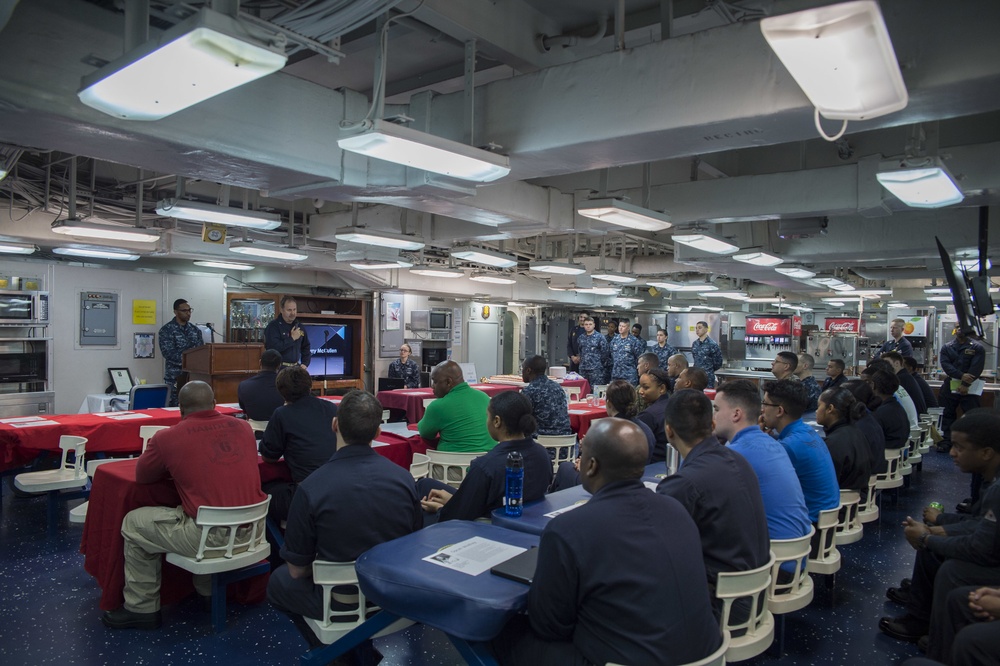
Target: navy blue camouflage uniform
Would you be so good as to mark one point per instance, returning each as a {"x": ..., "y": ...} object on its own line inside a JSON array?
[
  {"x": 549, "y": 405},
  {"x": 663, "y": 353},
  {"x": 812, "y": 388},
  {"x": 625, "y": 353},
  {"x": 409, "y": 372},
  {"x": 708, "y": 356},
  {"x": 174, "y": 341},
  {"x": 593, "y": 350}
]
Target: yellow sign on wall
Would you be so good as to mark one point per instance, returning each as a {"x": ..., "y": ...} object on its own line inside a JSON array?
[{"x": 144, "y": 312}]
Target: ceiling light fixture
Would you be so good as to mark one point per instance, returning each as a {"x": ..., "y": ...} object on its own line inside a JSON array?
[
  {"x": 758, "y": 258},
  {"x": 557, "y": 267},
  {"x": 484, "y": 257},
  {"x": 735, "y": 295},
  {"x": 515, "y": 304},
  {"x": 267, "y": 251},
  {"x": 600, "y": 291},
  {"x": 937, "y": 290},
  {"x": 869, "y": 293},
  {"x": 631, "y": 299},
  {"x": 709, "y": 308},
  {"x": 13, "y": 247},
  {"x": 795, "y": 271},
  {"x": 624, "y": 214},
  {"x": 766, "y": 299},
  {"x": 196, "y": 211},
  {"x": 664, "y": 284},
  {"x": 380, "y": 264},
  {"x": 920, "y": 182},
  {"x": 612, "y": 276},
  {"x": 492, "y": 278},
  {"x": 842, "y": 58},
  {"x": 941, "y": 299},
  {"x": 706, "y": 243},
  {"x": 197, "y": 59},
  {"x": 897, "y": 305},
  {"x": 81, "y": 229},
  {"x": 96, "y": 253},
  {"x": 834, "y": 303},
  {"x": 430, "y": 270},
  {"x": 402, "y": 145},
  {"x": 836, "y": 299},
  {"x": 228, "y": 265},
  {"x": 835, "y": 284},
  {"x": 379, "y": 238}
]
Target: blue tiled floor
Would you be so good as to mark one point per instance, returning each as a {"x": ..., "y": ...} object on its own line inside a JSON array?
[{"x": 49, "y": 613}]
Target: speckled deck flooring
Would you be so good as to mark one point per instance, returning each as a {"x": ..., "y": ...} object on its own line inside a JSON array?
[{"x": 49, "y": 614}]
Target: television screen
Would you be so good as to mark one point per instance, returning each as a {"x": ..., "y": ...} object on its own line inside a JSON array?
[
  {"x": 332, "y": 350},
  {"x": 967, "y": 321}
]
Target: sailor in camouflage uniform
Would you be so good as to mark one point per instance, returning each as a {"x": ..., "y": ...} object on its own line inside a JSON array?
[
  {"x": 625, "y": 352},
  {"x": 593, "y": 348},
  {"x": 176, "y": 337},
  {"x": 548, "y": 400},
  {"x": 663, "y": 349},
  {"x": 706, "y": 352},
  {"x": 405, "y": 368}
]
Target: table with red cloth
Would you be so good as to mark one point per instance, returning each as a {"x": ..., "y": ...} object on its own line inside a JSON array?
[
  {"x": 580, "y": 421},
  {"x": 582, "y": 384},
  {"x": 412, "y": 400},
  {"x": 110, "y": 432}
]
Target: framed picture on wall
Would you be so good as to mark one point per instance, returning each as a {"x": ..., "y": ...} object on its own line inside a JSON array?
[{"x": 145, "y": 345}]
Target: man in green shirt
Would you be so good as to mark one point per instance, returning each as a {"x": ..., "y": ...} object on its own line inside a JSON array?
[{"x": 458, "y": 415}]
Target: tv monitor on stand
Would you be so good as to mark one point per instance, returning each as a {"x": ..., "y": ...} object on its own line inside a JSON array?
[
  {"x": 332, "y": 350},
  {"x": 968, "y": 324}
]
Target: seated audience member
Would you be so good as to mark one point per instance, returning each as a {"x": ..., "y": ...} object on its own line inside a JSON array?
[
  {"x": 654, "y": 387},
  {"x": 212, "y": 461},
  {"x": 510, "y": 423},
  {"x": 737, "y": 411},
  {"x": 259, "y": 396},
  {"x": 300, "y": 432},
  {"x": 906, "y": 380},
  {"x": 925, "y": 390},
  {"x": 676, "y": 364},
  {"x": 620, "y": 579},
  {"x": 952, "y": 556},
  {"x": 804, "y": 373},
  {"x": 332, "y": 517},
  {"x": 548, "y": 400},
  {"x": 781, "y": 410},
  {"x": 405, "y": 368},
  {"x": 719, "y": 489},
  {"x": 647, "y": 362},
  {"x": 621, "y": 402},
  {"x": 971, "y": 632},
  {"x": 834, "y": 374},
  {"x": 901, "y": 395},
  {"x": 784, "y": 364},
  {"x": 889, "y": 413},
  {"x": 837, "y": 412},
  {"x": 692, "y": 378},
  {"x": 868, "y": 425},
  {"x": 458, "y": 416}
]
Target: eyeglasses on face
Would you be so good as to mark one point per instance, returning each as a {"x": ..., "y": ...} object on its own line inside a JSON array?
[
  {"x": 185, "y": 309},
  {"x": 769, "y": 404}
]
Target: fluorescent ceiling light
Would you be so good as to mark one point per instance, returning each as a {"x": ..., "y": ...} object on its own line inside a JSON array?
[
  {"x": 492, "y": 278},
  {"x": 942, "y": 299},
  {"x": 379, "y": 264},
  {"x": 835, "y": 284},
  {"x": 623, "y": 214},
  {"x": 402, "y": 145},
  {"x": 678, "y": 308},
  {"x": 437, "y": 271},
  {"x": 267, "y": 251},
  {"x": 485, "y": 257},
  {"x": 81, "y": 229},
  {"x": 920, "y": 182},
  {"x": 557, "y": 267},
  {"x": 12, "y": 247},
  {"x": 706, "y": 243},
  {"x": 96, "y": 253},
  {"x": 205, "y": 212},
  {"x": 197, "y": 59},
  {"x": 973, "y": 264},
  {"x": 871, "y": 292},
  {"x": 611, "y": 276},
  {"x": 663, "y": 284},
  {"x": 379, "y": 239},
  {"x": 937, "y": 290},
  {"x": 795, "y": 271},
  {"x": 229, "y": 265},
  {"x": 758, "y": 258},
  {"x": 710, "y": 308},
  {"x": 515, "y": 304},
  {"x": 631, "y": 299},
  {"x": 765, "y": 299},
  {"x": 600, "y": 291},
  {"x": 3, "y": 174},
  {"x": 800, "y": 308},
  {"x": 736, "y": 295},
  {"x": 833, "y": 302},
  {"x": 897, "y": 305},
  {"x": 689, "y": 287},
  {"x": 842, "y": 58}
]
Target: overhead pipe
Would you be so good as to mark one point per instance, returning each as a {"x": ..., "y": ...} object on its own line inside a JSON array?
[{"x": 547, "y": 42}]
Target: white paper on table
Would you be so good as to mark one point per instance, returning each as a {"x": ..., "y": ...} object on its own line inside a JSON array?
[
  {"x": 171, "y": 409},
  {"x": 575, "y": 505},
  {"x": 128, "y": 416},
  {"x": 32, "y": 424},
  {"x": 474, "y": 556},
  {"x": 579, "y": 411},
  {"x": 22, "y": 419},
  {"x": 230, "y": 405},
  {"x": 109, "y": 415},
  {"x": 651, "y": 485}
]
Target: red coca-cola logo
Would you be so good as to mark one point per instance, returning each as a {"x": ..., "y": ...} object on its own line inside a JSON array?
[
  {"x": 769, "y": 326},
  {"x": 765, "y": 327},
  {"x": 842, "y": 325}
]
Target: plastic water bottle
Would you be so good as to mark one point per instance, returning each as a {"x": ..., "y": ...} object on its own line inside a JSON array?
[{"x": 514, "y": 495}]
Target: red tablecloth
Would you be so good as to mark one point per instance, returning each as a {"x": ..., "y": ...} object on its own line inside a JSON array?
[
  {"x": 583, "y": 384},
  {"x": 111, "y": 432},
  {"x": 581, "y": 422},
  {"x": 412, "y": 400}
]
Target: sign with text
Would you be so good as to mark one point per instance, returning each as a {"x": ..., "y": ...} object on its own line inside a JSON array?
[
  {"x": 143, "y": 312},
  {"x": 841, "y": 325},
  {"x": 769, "y": 326}
]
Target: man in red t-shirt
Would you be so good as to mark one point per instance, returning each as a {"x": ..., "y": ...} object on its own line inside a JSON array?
[{"x": 212, "y": 460}]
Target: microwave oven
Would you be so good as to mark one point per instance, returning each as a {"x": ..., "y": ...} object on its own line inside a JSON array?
[
  {"x": 430, "y": 320},
  {"x": 24, "y": 308}
]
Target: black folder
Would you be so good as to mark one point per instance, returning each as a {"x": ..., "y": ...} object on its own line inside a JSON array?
[{"x": 521, "y": 567}]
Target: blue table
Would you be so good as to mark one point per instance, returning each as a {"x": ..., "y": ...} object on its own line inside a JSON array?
[
  {"x": 533, "y": 519},
  {"x": 470, "y": 610}
]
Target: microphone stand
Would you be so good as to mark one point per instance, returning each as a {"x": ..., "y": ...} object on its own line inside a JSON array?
[{"x": 326, "y": 357}]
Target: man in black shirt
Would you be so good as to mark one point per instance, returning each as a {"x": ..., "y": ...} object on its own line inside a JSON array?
[
  {"x": 834, "y": 374},
  {"x": 906, "y": 380},
  {"x": 259, "y": 396}
]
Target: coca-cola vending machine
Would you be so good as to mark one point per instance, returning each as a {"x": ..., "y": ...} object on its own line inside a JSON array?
[
  {"x": 841, "y": 340},
  {"x": 766, "y": 336}
]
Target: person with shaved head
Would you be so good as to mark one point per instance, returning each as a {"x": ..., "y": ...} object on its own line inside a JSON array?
[
  {"x": 458, "y": 415},
  {"x": 621, "y": 578}
]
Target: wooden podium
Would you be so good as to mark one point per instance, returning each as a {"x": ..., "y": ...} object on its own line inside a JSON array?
[{"x": 223, "y": 365}]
